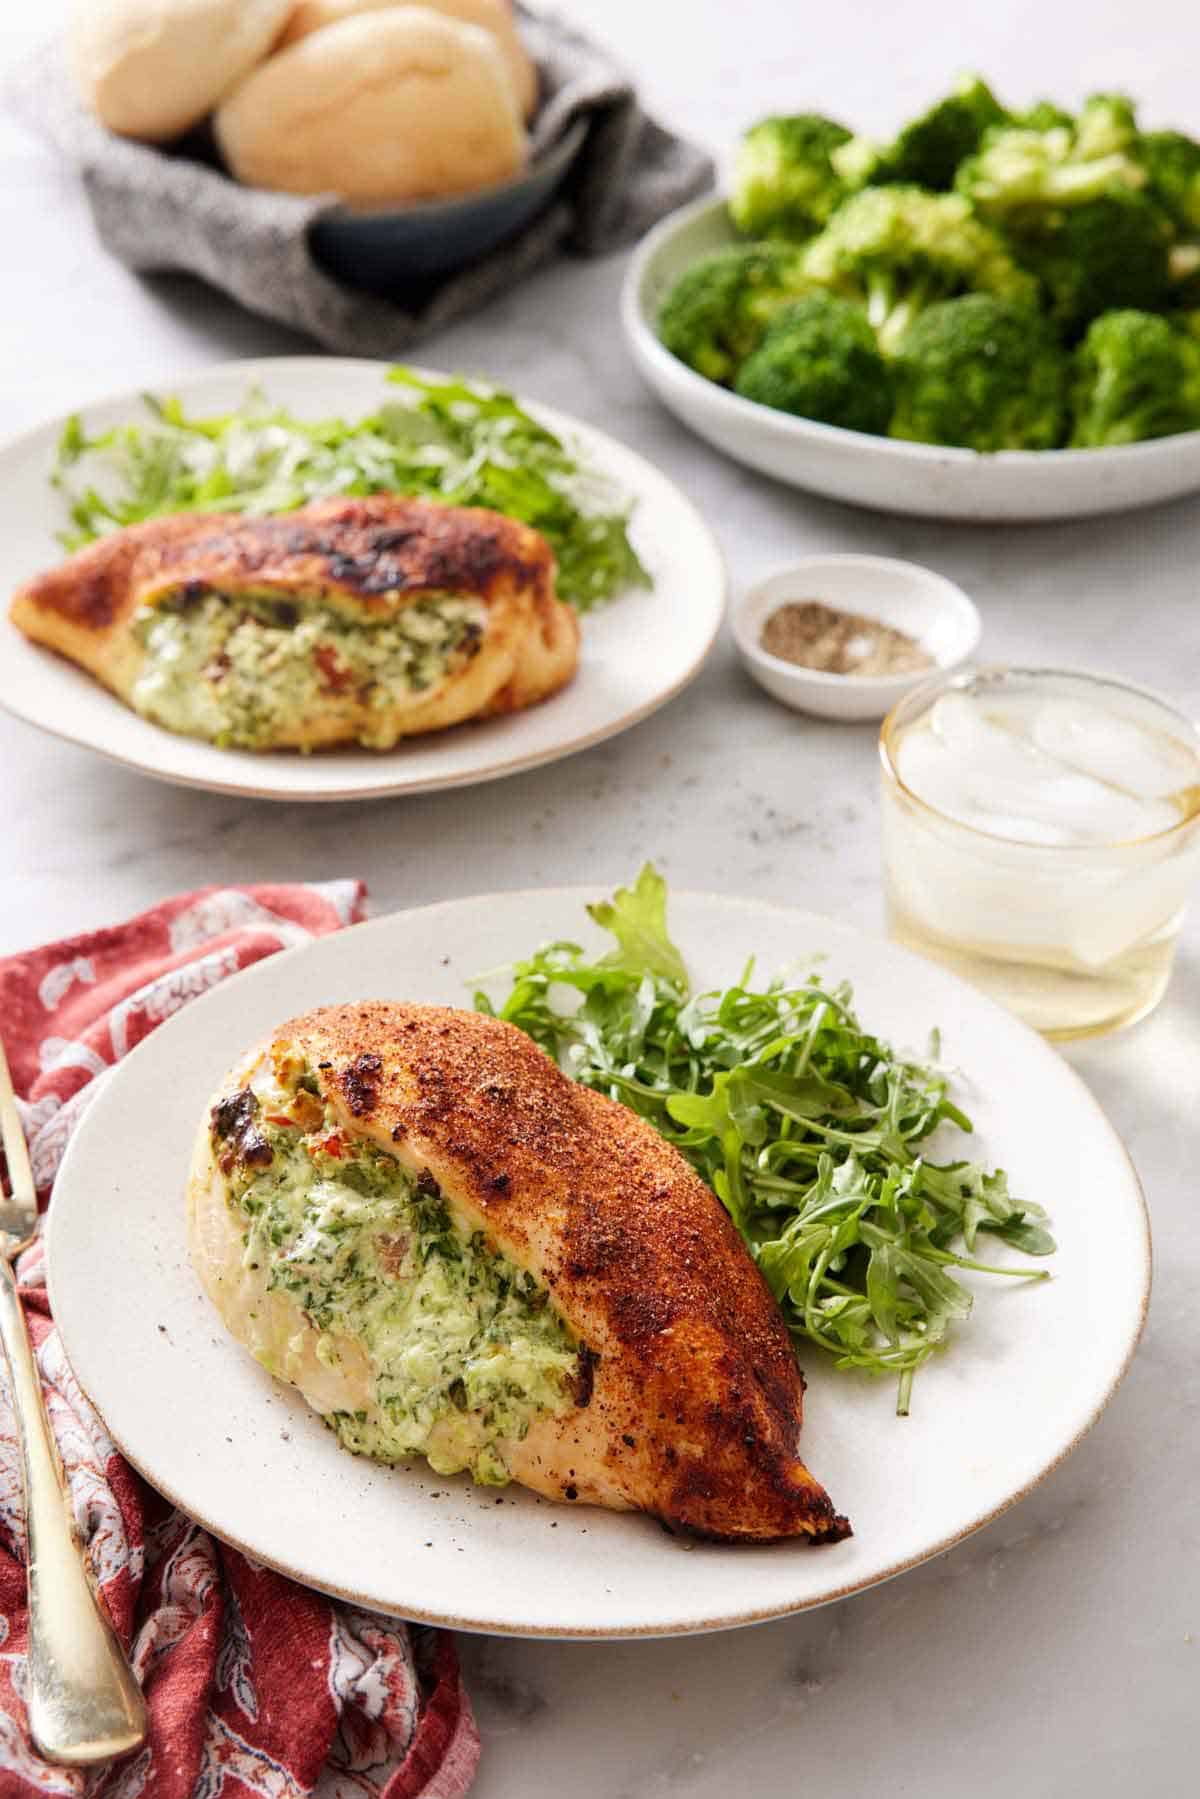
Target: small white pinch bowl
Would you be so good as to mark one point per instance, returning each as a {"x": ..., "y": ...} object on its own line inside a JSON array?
[{"x": 906, "y": 596}]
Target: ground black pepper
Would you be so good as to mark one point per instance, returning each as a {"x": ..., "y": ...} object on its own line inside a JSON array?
[{"x": 813, "y": 635}]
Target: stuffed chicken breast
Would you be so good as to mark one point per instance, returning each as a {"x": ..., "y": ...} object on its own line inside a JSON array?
[
  {"x": 454, "y": 1251},
  {"x": 348, "y": 621}
]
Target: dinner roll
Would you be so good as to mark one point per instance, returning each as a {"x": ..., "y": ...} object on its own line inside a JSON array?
[
  {"x": 152, "y": 68},
  {"x": 496, "y": 16},
  {"x": 387, "y": 106}
]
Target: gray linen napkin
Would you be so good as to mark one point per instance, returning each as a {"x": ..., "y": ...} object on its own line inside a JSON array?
[{"x": 155, "y": 210}]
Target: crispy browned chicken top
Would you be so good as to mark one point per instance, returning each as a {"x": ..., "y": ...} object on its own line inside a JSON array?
[
  {"x": 696, "y": 1402},
  {"x": 360, "y": 552}
]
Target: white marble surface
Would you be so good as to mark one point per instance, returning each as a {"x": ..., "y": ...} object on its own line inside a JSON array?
[{"x": 1057, "y": 1653}]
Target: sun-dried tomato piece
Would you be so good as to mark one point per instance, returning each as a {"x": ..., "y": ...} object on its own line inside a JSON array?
[{"x": 334, "y": 675}]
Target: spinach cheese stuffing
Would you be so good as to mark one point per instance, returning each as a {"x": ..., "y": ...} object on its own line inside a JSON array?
[
  {"x": 450, "y": 1347},
  {"x": 346, "y": 622},
  {"x": 236, "y": 670}
]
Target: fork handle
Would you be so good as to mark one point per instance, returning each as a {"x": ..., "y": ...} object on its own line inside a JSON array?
[{"x": 84, "y": 1704}]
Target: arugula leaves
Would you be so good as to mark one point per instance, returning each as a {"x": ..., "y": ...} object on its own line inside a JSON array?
[
  {"x": 807, "y": 1127},
  {"x": 464, "y": 444},
  {"x": 637, "y": 918}
]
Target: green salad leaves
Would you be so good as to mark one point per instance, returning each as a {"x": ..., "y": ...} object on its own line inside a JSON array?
[
  {"x": 807, "y": 1127},
  {"x": 462, "y": 443}
]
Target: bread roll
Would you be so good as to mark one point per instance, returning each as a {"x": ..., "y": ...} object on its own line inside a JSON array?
[
  {"x": 496, "y": 16},
  {"x": 152, "y": 68},
  {"x": 384, "y": 107}
]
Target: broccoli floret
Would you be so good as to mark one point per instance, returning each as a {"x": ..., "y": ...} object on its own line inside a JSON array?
[
  {"x": 1019, "y": 169},
  {"x": 1107, "y": 123},
  {"x": 1183, "y": 272},
  {"x": 717, "y": 311},
  {"x": 1172, "y": 165},
  {"x": 981, "y": 372},
  {"x": 1113, "y": 252},
  {"x": 926, "y": 152},
  {"x": 1043, "y": 115},
  {"x": 898, "y": 249},
  {"x": 783, "y": 181},
  {"x": 855, "y": 162},
  {"x": 1073, "y": 204},
  {"x": 819, "y": 358},
  {"x": 1136, "y": 376}
]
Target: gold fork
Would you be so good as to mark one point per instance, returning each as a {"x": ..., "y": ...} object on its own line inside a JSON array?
[{"x": 84, "y": 1704}]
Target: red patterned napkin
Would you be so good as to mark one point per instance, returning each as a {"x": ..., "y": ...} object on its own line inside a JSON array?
[{"x": 255, "y": 1685}]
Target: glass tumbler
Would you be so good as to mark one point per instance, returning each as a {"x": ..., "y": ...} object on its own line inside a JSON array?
[{"x": 1041, "y": 831}]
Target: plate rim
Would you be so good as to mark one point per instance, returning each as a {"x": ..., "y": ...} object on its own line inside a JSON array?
[
  {"x": 259, "y": 367},
  {"x": 576, "y": 893}
]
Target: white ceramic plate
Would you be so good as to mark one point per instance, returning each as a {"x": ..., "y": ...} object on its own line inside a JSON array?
[
  {"x": 210, "y": 1429},
  {"x": 924, "y": 479},
  {"x": 637, "y": 652}
]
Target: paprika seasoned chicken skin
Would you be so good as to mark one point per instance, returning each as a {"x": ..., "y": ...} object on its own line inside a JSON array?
[
  {"x": 347, "y": 621},
  {"x": 451, "y": 1249}
]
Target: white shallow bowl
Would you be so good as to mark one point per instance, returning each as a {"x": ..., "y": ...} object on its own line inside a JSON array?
[
  {"x": 927, "y": 480},
  {"x": 906, "y": 596}
]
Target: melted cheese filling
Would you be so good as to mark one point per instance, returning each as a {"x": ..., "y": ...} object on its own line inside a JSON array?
[
  {"x": 464, "y": 1348},
  {"x": 238, "y": 669}
]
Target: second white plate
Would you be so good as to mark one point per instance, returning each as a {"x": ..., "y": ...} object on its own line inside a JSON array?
[
  {"x": 244, "y": 1455},
  {"x": 637, "y": 652}
]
